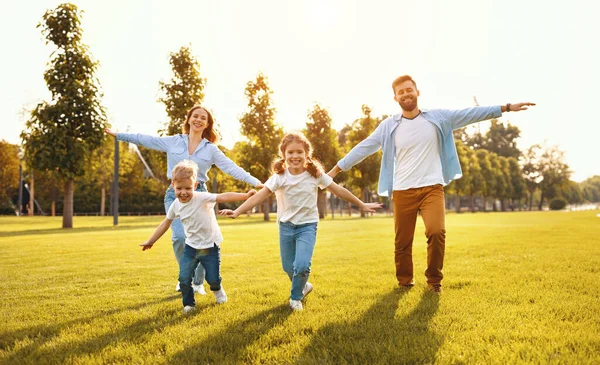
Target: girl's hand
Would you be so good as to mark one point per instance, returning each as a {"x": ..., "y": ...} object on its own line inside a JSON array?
[
  {"x": 146, "y": 246},
  {"x": 250, "y": 193},
  {"x": 259, "y": 186},
  {"x": 228, "y": 213},
  {"x": 109, "y": 131},
  {"x": 370, "y": 207}
]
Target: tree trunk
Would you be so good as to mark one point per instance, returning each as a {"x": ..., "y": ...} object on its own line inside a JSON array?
[
  {"x": 68, "y": 205},
  {"x": 331, "y": 200},
  {"x": 541, "y": 201},
  {"x": 472, "y": 204},
  {"x": 53, "y": 208},
  {"x": 321, "y": 203},
  {"x": 32, "y": 196},
  {"x": 503, "y": 205},
  {"x": 266, "y": 209},
  {"x": 484, "y": 205},
  {"x": 457, "y": 203},
  {"x": 363, "y": 192},
  {"x": 530, "y": 201},
  {"x": 103, "y": 199},
  {"x": 349, "y": 209}
]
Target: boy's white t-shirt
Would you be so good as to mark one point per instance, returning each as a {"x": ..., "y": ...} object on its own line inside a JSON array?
[
  {"x": 199, "y": 220},
  {"x": 297, "y": 195}
]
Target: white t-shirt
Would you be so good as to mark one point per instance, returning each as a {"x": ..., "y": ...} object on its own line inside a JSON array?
[
  {"x": 199, "y": 220},
  {"x": 297, "y": 196},
  {"x": 418, "y": 161}
]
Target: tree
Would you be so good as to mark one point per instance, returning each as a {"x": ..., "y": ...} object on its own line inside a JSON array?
[
  {"x": 532, "y": 171},
  {"x": 517, "y": 182},
  {"x": 591, "y": 189},
  {"x": 488, "y": 175},
  {"x": 183, "y": 91},
  {"x": 9, "y": 174},
  {"x": 476, "y": 182},
  {"x": 258, "y": 126},
  {"x": 61, "y": 134},
  {"x": 571, "y": 192},
  {"x": 554, "y": 172},
  {"x": 501, "y": 139},
  {"x": 460, "y": 186},
  {"x": 325, "y": 145},
  {"x": 366, "y": 173},
  {"x": 508, "y": 188}
]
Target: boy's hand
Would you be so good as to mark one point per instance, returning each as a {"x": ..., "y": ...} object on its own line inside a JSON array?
[
  {"x": 370, "y": 207},
  {"x": 228, "y": 213},
  {"x": 250, "y": 193},
  {"x": 146, "y": 246}
]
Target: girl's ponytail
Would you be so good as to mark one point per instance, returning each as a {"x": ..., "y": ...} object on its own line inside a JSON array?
[
  {"x": 314, "y": 167},
  {"x": 279, "y": 166}
]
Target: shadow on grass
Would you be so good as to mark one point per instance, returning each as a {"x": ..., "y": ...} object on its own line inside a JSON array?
[
  {"x": 378, "y": 336},
  {"x": 229, "y": 345},
  {"x": 32, "y": 232},
  {"x": 38, "y": 336}
]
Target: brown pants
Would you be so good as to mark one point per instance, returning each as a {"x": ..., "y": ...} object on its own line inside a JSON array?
[{"x": 429, "y": 200}]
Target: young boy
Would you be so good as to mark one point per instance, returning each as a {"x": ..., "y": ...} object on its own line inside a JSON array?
[{"x": 203, "y": 236}]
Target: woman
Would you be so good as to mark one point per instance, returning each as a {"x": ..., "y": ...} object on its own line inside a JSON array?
[{"x": 196, "y": 143}]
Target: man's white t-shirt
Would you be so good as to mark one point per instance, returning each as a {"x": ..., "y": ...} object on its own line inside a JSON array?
[
  {"x": 297, "y": 196},
  {"x": 418, "y": 161},
  {"x": 199, "y": 220}
]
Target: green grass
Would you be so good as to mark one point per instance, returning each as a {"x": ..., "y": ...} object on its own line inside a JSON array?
[{"x": 519, "y": 288}]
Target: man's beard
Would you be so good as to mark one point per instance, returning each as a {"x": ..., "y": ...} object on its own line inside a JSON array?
[{"x": 408, "y": 104}]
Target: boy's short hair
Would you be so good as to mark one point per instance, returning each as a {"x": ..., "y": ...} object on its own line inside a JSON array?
[{"x": 185, "y": 169}]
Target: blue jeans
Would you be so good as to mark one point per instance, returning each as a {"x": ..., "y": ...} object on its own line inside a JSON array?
[
  {"x": 296, "y": 245},
  {"x": 178, "y": 234},
  {"x": 210, "y": 259}
]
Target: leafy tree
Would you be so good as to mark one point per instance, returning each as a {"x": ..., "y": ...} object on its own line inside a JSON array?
[
  {"x": 323, "y": 138},
  {"x": 554, "y": 172},
  {"x": 9, "y": 174},
  {"x": 258, "y": 126},
  {"x": 365, "y": 174},
  {"x": 502, "y": 139},
  {"x": 61, "y": 134},
  {"x": 476, "y": 181},
  {"x": 183, "y": 91},
  {"x": 508, "y": 188},
  {"x": 532, "y": 171},
  {"x": 517, "y": 182},
  {"x": 488, "y": 175},
  {"x": 591, "y": 189},
  {"x": 572, "y": 192}
]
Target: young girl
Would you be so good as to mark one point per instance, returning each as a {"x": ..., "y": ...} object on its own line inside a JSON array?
[{"x": 295, "y": 183}]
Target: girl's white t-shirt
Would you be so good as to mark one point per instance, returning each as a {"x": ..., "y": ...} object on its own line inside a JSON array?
[
  {"x": 297, "y": 196},
  {"x": 198, "y": 219}
]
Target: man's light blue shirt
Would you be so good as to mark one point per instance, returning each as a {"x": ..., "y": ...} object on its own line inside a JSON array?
[
  {"x": 445, "y": 121},
  {"x": 205, "y": 155}
]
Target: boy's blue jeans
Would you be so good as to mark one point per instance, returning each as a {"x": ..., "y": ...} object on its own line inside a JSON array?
[
  {"x": 210, "y": 259},
  {"x": 178, "y": 234},
  {"x": 296, "y": 245}
]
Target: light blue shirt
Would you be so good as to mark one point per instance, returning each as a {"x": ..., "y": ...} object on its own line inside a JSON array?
[
  {"x": 445, "y": 121},
  {"x": 205, "y": 155}
]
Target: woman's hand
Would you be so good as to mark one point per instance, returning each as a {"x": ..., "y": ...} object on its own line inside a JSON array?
[
  {"x": 370, "y": 207},
  {"x": 110, "y": 131}
]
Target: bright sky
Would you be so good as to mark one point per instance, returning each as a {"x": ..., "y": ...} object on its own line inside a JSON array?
[{"x": 339, "y": 53}]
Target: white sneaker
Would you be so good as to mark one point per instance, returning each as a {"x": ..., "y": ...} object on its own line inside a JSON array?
[
  {"x": 296, "y": 305},
  {"x": 307, "y": 289},
  {"x": 188, "y": 309},
  {"x": 177, "y": 287},
  {"x": 220, "y": 296},
  {"x": 199, "y": 289}
]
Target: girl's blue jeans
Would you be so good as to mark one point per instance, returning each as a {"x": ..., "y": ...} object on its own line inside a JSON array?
[{"x": 296, "y": 245}]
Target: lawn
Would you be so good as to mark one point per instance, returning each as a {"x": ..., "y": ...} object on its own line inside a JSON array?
[{"x": 519, "y": 288}]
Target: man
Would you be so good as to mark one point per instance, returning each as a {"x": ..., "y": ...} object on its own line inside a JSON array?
[{"x": 419, "y": 158}]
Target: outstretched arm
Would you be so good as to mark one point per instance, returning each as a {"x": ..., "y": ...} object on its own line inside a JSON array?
[
  {"x": 232, "y": 197},
  {"x": 334, "y": 171},
  {"x": 515, "y": 107},
  {"x": 349, "y": 197},
  {"x": 152, "y": 142},
  {"x": 248, "y": 204},
  {"x": 158, "y": 232}
]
